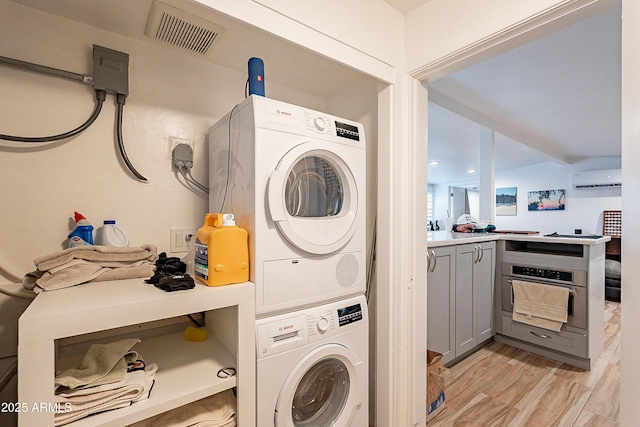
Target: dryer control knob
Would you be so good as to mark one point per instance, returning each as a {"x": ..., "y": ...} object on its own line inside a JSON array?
[
  {"x": 322, "y": 324},
  {"x": 319, "y": 123}
]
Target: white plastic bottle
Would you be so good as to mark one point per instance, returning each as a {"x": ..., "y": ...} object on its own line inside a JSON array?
[{"x": 111, "y": 235}]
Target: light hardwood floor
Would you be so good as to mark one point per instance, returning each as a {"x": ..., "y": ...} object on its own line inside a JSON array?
[{"x": 500, "y": 385}]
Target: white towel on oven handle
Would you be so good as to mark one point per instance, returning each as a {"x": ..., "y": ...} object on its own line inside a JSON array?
[{"x": 544, "y": 306}]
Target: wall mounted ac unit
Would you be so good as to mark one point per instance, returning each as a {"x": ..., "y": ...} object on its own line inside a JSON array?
[{"x": 610, "y": 178}]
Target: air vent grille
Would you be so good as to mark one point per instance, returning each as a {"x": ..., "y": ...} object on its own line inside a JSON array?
[
  {"x": 180, "y": 29},
  {"x": 184, "y": 35}
]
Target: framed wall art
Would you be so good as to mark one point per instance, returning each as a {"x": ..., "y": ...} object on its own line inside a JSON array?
[
  {"x": 506, "y": 201},
  {"x": 546, "y": 200}
]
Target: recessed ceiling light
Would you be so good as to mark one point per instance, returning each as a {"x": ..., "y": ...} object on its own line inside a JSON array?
[
  {"x": 434, "y": 162},
  {"x": 471, "y": 171}
]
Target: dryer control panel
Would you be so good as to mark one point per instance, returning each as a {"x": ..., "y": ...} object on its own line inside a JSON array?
[
  {"x": 346, "y": 130},
  {"x": 327, "y": 125}
]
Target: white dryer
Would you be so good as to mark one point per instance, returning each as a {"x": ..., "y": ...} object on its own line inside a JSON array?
[
  {"x": 295, "y": 180},
  {"x": 312, "y": 367}
]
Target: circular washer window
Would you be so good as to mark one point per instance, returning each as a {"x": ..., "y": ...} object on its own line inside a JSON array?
[{"x": 321, "y": 394}]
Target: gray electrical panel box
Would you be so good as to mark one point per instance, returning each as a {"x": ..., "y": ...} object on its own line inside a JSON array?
[{"x": 110, "y": 70}]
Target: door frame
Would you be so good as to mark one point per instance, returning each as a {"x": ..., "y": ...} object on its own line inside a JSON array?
[{"x": 561, "y": 15}]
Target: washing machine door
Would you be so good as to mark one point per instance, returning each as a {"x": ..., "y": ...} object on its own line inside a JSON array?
[
  {"x": 313, "y": 198},
  {"x": 321, "y": 390}
]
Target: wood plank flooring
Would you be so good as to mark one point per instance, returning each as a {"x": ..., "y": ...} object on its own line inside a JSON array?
[{"x": 500, "y": 386}]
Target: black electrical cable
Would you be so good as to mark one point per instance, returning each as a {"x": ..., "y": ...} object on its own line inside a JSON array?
[
  {"x": 120, "y": 100},
  {"x": 195, "y": 322},
  {"x": 100, "y": 97}
]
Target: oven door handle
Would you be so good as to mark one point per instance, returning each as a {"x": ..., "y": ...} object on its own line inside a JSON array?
[{"x": 511, "y": 293}]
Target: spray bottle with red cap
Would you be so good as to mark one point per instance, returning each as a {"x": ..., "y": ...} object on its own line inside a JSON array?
[{"x": 83, "y": 233}]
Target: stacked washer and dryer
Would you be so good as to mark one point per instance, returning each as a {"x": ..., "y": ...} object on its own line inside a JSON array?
[{"x": 295, "y": 180}]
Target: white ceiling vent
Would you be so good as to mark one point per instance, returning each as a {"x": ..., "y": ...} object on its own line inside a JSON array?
[{"x": 180, "y": 29}]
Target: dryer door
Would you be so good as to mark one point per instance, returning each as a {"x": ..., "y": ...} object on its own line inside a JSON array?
[
  {"x": 321, "y": 390},
  {"x": 313, "y": 199}
]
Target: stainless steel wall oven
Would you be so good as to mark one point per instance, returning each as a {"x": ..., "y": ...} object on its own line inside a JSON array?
[{"x": 573, "y": 266}]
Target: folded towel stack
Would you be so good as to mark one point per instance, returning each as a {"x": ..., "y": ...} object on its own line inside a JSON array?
[
  {"x": 218, "y": 410},
  {"x": 110, "y": 376},
  {"x": 540, "y": 305},
  {"x": 74, "y": 266}
]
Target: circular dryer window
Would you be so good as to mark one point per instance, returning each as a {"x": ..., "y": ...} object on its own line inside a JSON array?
[
  {"x": 313, "y": 199},
  {"x": 321, "y": 390},
  {"x": 313, "y": 189}
]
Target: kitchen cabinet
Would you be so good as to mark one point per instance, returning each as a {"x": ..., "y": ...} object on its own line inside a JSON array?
[
  {"x": 460, "y": 298},
  {"x": 188, "y": 370},
  {"x": 484, "y": 277},
  {"x": 475, "y": 271},
  {"x": 441, "y": 274}
]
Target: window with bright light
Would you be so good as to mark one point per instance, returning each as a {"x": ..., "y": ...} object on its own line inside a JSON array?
[{"x": 429, "y": 202}]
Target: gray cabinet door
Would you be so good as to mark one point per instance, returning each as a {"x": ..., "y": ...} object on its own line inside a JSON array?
[
  {"x": 466, "y": 332},
  {"x": 441, "y": 301},
  {"x": 485, "y": 290}
]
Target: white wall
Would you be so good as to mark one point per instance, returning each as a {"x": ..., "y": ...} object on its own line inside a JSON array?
[
  {"x": 583, "y": 208},
  {"x": 170, "y": 95},
  {"x": 371, "y": 26}
]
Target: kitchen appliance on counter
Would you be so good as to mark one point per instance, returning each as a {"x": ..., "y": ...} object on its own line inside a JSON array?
[{"x": 578, "y": 267}]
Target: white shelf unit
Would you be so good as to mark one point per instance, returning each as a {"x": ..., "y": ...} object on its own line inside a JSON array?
[{"x": 187, "y": 370}]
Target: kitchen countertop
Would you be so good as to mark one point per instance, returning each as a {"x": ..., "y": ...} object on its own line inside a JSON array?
[{"x": 447, "y": 238}]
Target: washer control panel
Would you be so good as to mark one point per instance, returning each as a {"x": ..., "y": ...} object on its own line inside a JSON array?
[
  {"x": 285, "y": 332},
  {"x": 350, "y": 314},
  {"x": 330, "y": 318},
  {"x": 321, "y": 322}
]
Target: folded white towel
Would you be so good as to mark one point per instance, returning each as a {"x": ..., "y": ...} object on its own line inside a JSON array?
[
  {"x": 99, "y": 362},
  {"x": 97, "y": 254},
  {"x": 218, "y": 410},
  {"x": 540, "y": 305},
  {"x": 81, "y": 264},
  {"x": 76, "y": 404}
]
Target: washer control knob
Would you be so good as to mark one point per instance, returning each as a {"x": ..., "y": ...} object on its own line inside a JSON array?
[
  {"x": 322, "y": 324},
  {"x": 319, "y": 123}
]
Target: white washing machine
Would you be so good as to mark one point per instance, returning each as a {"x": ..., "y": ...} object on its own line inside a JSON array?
[
  {"x": 295, "y": 180},
  {"x": 312, "y": 367}
]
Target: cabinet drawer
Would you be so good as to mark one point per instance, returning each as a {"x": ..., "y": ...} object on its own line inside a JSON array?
[{"x": 564, "y": 341}]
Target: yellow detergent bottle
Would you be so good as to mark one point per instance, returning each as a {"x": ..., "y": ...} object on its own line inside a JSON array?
[{"x": 222, "y": 251}]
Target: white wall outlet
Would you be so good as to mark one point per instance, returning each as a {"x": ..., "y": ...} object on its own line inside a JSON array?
[
  {"x": 175, "y": 141},
  {"x": 181, "y": 238}
]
